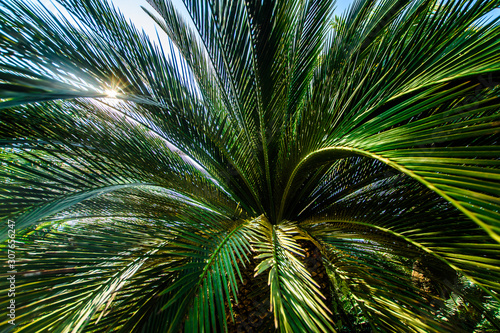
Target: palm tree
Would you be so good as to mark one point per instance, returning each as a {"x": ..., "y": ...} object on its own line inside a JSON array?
[{"x": 276, "y": 169}]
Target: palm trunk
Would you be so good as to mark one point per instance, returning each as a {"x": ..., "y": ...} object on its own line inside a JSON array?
[{"x": 252, "y": 311}]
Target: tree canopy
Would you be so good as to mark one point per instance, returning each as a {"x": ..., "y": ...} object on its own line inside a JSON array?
[{"x": 141, "y": 181}]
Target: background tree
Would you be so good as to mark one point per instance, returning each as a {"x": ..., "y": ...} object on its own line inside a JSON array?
[{"x": 219, "y": 185}]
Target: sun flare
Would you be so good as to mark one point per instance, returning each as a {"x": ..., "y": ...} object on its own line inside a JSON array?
[{"x": 111, "y": 93}]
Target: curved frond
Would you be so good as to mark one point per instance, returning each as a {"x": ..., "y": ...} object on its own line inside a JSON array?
[{"x": 352, "y": 160}]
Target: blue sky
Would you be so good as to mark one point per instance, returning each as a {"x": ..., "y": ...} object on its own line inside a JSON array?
[{"x": 132, "y": 9}]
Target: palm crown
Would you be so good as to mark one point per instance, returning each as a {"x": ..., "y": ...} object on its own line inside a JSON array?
[{"x": 274, "y": 146}]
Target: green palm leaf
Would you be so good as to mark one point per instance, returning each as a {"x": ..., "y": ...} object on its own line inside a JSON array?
[{"x": 350, "y": 162}]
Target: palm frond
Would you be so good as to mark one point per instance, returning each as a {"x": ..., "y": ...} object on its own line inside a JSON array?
[
  {"x": 146, "y": 179},
  {"x": 295, "y": 297},
  {"x": 413, "y": 113}
]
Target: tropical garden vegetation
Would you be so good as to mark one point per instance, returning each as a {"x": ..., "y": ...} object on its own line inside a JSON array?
[{"x": 272, "y": 167}]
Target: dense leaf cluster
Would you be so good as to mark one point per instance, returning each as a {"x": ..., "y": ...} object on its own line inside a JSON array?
[{"x": 145, "y": 180}]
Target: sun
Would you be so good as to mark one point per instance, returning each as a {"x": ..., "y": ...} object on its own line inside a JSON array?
[{"x": 111, "y": 93}]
